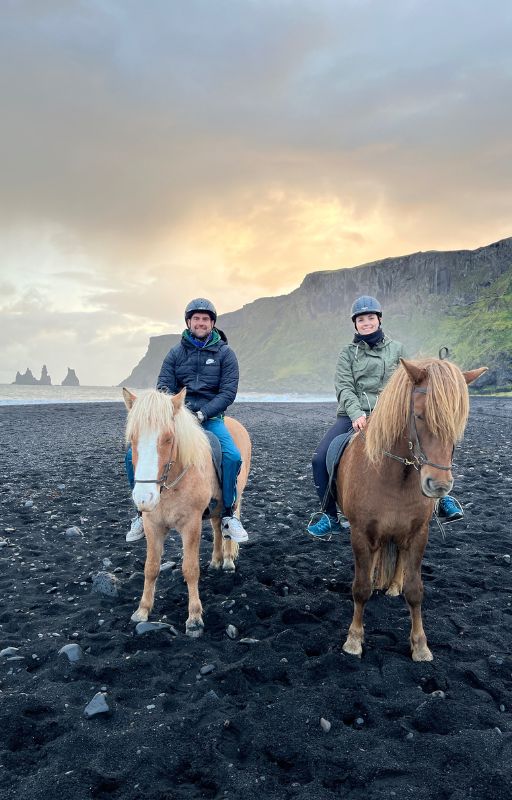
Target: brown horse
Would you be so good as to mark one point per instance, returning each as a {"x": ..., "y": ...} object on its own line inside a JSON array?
[
  {"x": 389, "y": 479},
  {"x": 174, "y": 483}
]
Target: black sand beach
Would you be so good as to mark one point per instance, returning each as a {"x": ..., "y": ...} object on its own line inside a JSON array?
[{"x": 218, "y": 717}]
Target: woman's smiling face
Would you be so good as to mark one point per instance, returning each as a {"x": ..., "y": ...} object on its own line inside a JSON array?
[{"x": 367, "y": 323}]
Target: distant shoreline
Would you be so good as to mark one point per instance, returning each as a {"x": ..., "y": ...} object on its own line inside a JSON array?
[{"x": 18, "y": 395}]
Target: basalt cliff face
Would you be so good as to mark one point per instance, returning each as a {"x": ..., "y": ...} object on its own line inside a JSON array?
[{"x": 460, "y": 299}]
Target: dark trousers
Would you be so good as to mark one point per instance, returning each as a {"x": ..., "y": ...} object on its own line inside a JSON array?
[{"x": 320, "y": 475}]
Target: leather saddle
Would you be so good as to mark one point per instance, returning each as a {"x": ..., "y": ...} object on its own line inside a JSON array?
[{"x": 334, "y": 453}]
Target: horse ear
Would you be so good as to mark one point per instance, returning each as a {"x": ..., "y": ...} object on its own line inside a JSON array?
[
  {"x": 415, "y": 373},
  {"x": 472, "y": 374},
  {"x": 129, "y": 398},
  {"x": 179, "y": 399}
]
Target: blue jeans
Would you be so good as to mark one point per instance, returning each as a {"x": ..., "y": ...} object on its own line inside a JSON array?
[
  {"x": 231, "y": 462},
  {"x": 320, "y": 474},
  {"x": 128, "y": 465}
]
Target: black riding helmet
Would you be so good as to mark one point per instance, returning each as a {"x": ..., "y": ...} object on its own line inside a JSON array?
[
  {"x": 201, "y": 304},
  {"x": 365, "y": 305}
]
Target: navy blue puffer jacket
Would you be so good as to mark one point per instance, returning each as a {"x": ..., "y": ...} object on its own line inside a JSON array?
[{"x": 209, "y": 373}]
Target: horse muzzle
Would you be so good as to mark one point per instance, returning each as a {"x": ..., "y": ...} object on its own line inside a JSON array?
[
  {"x": 146, "y": 498},
  {"x": 434, "y": 488}
]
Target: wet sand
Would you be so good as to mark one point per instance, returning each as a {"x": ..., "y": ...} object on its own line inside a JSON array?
[{"x": 218, "y": 717}]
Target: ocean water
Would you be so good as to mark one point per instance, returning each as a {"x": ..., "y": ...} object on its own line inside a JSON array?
[{"x": 15, "y": 395}]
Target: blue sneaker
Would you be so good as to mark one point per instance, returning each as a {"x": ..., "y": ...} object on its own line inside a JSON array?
[
  {"x": 448, "y": 509},
  {"x": 325, "y": 526}
]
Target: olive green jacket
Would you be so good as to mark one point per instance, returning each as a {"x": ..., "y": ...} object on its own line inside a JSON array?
[{"x": 361, "y": 374}]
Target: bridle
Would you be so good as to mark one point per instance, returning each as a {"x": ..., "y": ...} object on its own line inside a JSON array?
[
  {"x": 418, "y": 458},
  {"x": 162, "y": 480}
]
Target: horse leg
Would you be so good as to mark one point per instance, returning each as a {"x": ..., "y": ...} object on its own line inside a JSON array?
[
  {"x": 154, "y": 548},
  {"x": 230, "y": 548},
  {"x": 397, "y": 581},
  {"x": 216, "y": 560},
  {"x": 225, "y": 551},
  {"x": 191, "y": 536},
  {"x": 361, "y": 592},
  {"x": 413, "y": 592}
]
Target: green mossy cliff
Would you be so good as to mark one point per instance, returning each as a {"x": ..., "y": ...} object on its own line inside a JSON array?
[{"x": 461, "y": 300}]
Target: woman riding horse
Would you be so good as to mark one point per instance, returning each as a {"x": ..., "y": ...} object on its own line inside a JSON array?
[{"x": 364, "y": 367}]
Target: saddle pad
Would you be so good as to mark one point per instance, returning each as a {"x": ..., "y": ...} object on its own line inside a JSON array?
[
  {"x": 217, "y": 464},
  {"x": 332, "y": 459},
  {"x": 216, "y": 454}
]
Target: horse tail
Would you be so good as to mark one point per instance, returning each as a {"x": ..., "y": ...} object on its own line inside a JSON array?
[{"x": 385, "y": 565}]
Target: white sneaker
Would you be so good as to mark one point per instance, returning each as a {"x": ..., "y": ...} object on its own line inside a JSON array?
[
  {"x": 136, "y": 531},
  {"x": 233, "y": 529}
]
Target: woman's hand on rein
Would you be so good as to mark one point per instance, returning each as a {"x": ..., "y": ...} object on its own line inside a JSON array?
[{"x": 359, "y": 423}]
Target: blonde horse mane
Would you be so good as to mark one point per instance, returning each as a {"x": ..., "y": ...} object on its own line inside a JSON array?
[
  {"x": 154, "y": 411},
  {"x": 446, "y": 407}
]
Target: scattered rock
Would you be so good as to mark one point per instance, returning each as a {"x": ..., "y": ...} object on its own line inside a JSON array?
[
  {"x": 9, "y": 651},
  {"x": 153, "y": 627},
  {"x": 325, "y": 725},
  {"x": 73, "y": 533},
  {"x": 167, "y": 565},
  {"x": 105, "y": 583},
  {"x": 98, "y": 705},
  {"x": 73, "y": 652},
  {"x": 232, "y": 632},
  {"x": 207, "y": 669}
]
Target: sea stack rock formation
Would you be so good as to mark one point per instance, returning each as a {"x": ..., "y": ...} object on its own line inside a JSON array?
[
  {"x": 45, "y": 379},
  {"x": 71, "y": 378},
  {"x": 26, "y": 379}
]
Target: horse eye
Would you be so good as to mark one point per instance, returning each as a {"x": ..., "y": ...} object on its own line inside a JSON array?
[{"x": 420, "y": 416}]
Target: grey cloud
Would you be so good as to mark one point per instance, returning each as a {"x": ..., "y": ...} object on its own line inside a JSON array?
[
  {"x": 131, "y": 128},
  {"x": 121, "y": 121}
]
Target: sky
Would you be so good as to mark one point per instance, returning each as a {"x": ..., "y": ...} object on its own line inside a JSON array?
[{"x": 152, "y": 151}]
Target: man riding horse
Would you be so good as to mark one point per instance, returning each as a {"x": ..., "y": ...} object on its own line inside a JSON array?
[{"x": 204, "y": 363}]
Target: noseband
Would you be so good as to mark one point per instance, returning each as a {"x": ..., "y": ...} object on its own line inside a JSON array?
[
  {"x": 162, "y": 480},
  {"x": 419, "y": 459}
]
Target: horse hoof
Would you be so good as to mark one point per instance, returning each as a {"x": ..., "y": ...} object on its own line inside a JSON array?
[
  {"x": 140, "y": 615},
  {"x": 228, "y": 566},
  {"x": 214, "y": 565},
  {"x": 352, "y": 649},
  {"x": 194, "y": 629},
  {"x": 422, "y": 655},
  {"x": 393, "y": 590}
]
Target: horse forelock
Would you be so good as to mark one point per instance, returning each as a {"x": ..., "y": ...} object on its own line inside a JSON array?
[
  {"x": 447, "y": 401},
  {"x": 153, "y": 411},
  {"x": 446, "y": 407}
]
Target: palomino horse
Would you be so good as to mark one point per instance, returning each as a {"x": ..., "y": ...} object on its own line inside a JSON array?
[
  {"x": 389, "y": 479},
  {"x": 174, "y": 482}
]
